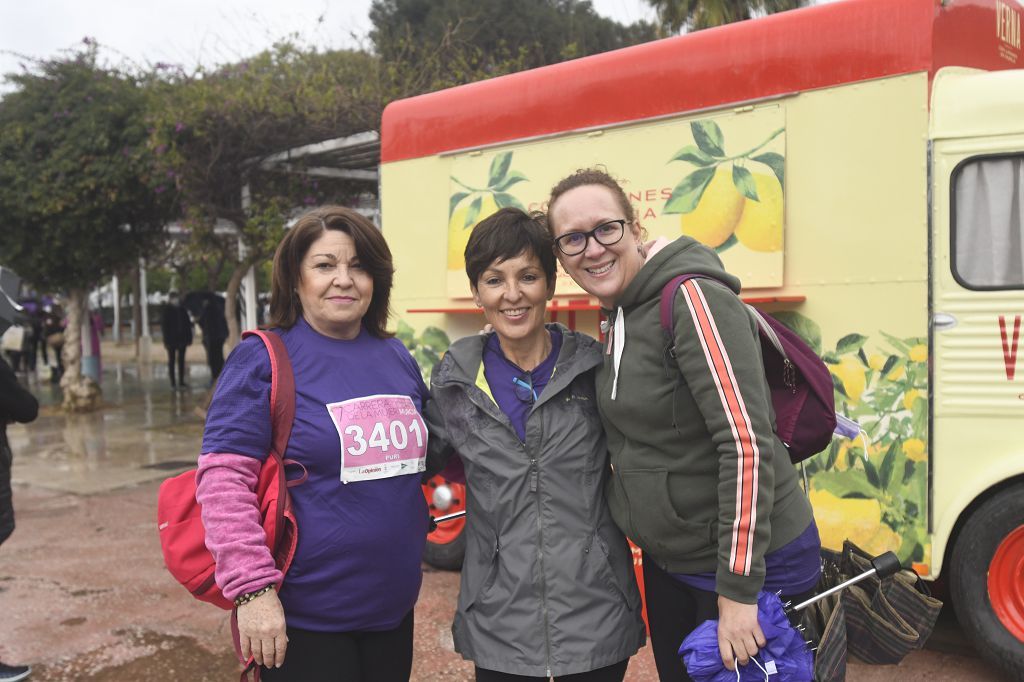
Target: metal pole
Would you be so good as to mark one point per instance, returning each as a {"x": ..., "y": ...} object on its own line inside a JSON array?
[{"x": 116, "y": 291}]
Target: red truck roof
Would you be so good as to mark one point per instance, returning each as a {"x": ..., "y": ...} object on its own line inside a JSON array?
[{"x": 814, "y": 47}]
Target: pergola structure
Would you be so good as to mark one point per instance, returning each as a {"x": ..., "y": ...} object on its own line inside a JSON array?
[{"x": 354, "y": 157}]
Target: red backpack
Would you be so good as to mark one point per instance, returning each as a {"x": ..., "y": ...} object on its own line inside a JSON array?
[
  {"x": 182, "y": 536},
  {"x": 800, "y": 383}
]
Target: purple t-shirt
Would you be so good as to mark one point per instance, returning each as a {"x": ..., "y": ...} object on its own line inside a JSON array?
[
  {"x": 502, "y": 376},
  {"x": 791, "y": 569},
  {"x": 357, "y": 563}
]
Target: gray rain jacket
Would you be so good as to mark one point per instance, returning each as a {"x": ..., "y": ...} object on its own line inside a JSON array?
[{"x": 547, "y": 583}]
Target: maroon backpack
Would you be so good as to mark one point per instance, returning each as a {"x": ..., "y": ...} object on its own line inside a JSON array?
[{"x": 800, "y": 383}]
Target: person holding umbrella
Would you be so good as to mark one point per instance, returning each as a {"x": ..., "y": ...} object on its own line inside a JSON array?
[
  {"x": 16, "y": 405},
  {"x": 215, "y": 333},
  {"x": 176, "y": 329},
  {"x": 700, "y": 480},
  {"x": 547, "y": 587}
]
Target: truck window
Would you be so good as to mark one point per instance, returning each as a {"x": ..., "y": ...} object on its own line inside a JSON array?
[{"x": 988, "y": 217}]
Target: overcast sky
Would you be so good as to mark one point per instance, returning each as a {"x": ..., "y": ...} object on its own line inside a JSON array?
[{"x": 190, "y": 32}]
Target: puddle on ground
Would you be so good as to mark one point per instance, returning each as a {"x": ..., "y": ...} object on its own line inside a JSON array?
[{"x": 144, "y": 655}]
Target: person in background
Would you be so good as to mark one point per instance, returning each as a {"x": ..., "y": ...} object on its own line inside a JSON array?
[
  {"x": 548, "y": 587},
  {"x": 16, "y": 405},
  {"x": 215, "y": 333},
  {"x": 700, "y": 480},
  {"x": 345, "y": 609},
  {"x": 176, "y": 328}
]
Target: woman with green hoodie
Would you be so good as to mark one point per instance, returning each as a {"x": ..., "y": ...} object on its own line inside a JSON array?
[{"x": 700, "y": 480}]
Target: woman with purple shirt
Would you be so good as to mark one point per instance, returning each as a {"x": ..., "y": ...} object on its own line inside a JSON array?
[{"x": 346, "y": 608}]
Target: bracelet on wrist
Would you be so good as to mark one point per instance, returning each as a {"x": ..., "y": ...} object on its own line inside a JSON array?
[{"x": 249, "y": 596}]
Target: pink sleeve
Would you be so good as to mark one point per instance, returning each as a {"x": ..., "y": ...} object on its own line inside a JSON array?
[{"x": 225, "y": 489}]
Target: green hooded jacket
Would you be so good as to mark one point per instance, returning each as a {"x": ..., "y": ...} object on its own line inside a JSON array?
[{"x": 700, "y": 480}]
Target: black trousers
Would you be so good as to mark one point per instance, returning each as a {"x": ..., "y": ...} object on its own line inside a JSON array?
[
  {"x": 346, "y": 656},
  {"x": 611, "y": 673},
  {"x": 214, "y": 358},
  {"x": 176, "y": 356},
  {"x": 674, "y": 610}
]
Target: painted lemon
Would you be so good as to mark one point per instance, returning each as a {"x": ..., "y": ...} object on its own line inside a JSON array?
[
  {"x": 876, "y": 362},
  {"x": 840, "y": 519},
  {"x": 458, "y": 231},
  {"x": 914, "y": 449},
  {"x": 919, "y": 353},
  {"x": 720, "y": 208},
  {"x": 910, "y": 396},
  {"x": 851, "y": 373},
  {"x": 760, "y": 225}
]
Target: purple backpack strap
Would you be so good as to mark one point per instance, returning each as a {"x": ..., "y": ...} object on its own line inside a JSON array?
[{"x": 668, "y": 297}]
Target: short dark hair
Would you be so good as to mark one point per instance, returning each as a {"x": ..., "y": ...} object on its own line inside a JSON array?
[
  {"x": 374, "y": 256},
  {"x": 507, "y": 234},
  {"x": 593, "y": 176}
]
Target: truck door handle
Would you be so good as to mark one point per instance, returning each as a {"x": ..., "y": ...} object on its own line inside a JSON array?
[{"x": 941, "y": 321}]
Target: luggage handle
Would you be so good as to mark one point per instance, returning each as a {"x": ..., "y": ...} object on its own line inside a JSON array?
[
  {"x": 441, "y": 519},
  {"x": 882, "y": 566}
]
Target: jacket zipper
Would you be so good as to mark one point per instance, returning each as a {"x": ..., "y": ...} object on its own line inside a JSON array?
[{"x": 535, "y": 489}]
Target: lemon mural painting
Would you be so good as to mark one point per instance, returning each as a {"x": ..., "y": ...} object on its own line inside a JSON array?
[
  {"x": 470, "y": 204},
  {"x": 729, "y": 199},
  {"x": 872, "y": 489}
]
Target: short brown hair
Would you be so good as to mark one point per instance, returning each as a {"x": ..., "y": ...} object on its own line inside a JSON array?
[
  {"x": 504, "y": 235},
  {"x": 374, "y": 256},
  {"x": 592, "y": 176}
]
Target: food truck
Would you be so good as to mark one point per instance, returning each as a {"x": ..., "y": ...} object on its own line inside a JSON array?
[{"x": 860, "y": 166}]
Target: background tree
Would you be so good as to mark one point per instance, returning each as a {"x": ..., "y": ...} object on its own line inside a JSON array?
[
  {"x": 78, "y": 200},
  {"x": 432, "y": 44},
  {"x": 211, "y": 129},
  {"x": 692, "y": 15}
]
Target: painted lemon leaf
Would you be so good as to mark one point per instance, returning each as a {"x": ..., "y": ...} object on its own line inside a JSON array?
[
  {"x": 435, "y": 339},
  {"x": 850, "y": 343},
  {"x": 744, "y": 182},
  {"x": 506, "y": 200},
  {"x": 777, "y": 162},
  {"x": 898, "y": 344},
  {"x": 803, "y": 326},
  {"x": 473, "y": 212},
  {"x": 837, "y": 384},
  {"x": 499, "y": 167},
  {"x": 872, "y": 473},
  {"x": 692, "y": 154},
  {"x": 888, "y": 464},
  {"x": 899, "y": 466},
  {"x": 454, "y": 201},
  {"x": 727, "y": 244},
  {"x": 844, "y": 484},
  {"x": 687, "y": 193},
  {"x": 509, "y": 180},
  {"x": 708, "y": 137}
]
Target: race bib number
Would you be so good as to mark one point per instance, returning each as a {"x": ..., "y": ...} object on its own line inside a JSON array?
[{"x": 381, "y": 436}]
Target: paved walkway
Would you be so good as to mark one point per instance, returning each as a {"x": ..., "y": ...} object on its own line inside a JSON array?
[{"x": 83, "y": 591}]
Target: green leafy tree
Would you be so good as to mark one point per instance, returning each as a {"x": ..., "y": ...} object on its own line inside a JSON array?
[
  {"x": 211, "y": 129},
  {"x": 78, "y": 200},
  {"x": 432, "y": 44},
  {"x": 693, "y": 15}
]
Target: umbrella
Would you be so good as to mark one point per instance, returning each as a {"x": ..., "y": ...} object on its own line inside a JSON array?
[
  {"x": 785, "y": 656},
  {"x": 9, "y": 309}
]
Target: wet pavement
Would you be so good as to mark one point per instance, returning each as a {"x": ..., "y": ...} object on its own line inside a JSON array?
[{"x": 83, "y": 591}]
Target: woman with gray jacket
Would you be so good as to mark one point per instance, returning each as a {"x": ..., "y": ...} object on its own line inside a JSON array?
[{"x": 547, "y": 583}]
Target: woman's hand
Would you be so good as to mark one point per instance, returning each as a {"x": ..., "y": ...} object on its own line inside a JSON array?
[
  {"x": 739, "y": 633},
  {"x": 261, "y": 630}
]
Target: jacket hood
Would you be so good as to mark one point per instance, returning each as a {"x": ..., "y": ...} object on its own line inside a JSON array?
[
  {"x": 461, "y": 363},
  {"x": 681, "y": 257}
]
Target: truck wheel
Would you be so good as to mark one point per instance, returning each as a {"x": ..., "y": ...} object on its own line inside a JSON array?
[
  {"x": 446, "y": 545},
  {"x": 987, "y": 579}
]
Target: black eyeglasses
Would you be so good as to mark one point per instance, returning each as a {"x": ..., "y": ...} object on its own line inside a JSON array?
[
  {"x": 605, "y": 234},
  {"x": 522, "y": 386}
]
